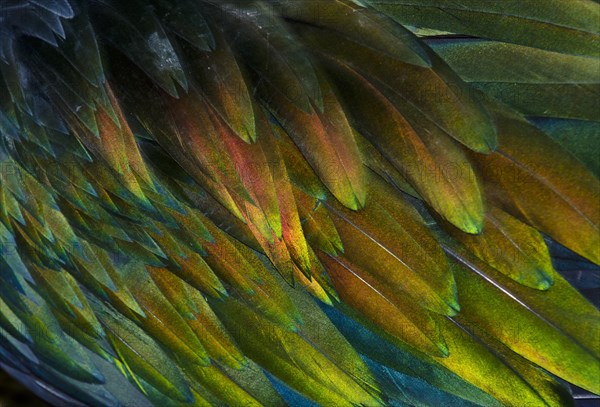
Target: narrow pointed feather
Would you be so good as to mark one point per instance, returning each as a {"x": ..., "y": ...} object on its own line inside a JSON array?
[
  {"x": 525, "y": 332},
  {"x": 403, "y": 321},
  {"x": 326, "y": 141},
  {"x": 166, "y": 121},
  {"x": 224, "y": 386},
  {"x": 50, "y": 342},
  {"x": 11, "y": 211},
  {"x": 165, "y": 199},
  {"x": 80, "y": 48},
  {"x": 179, "y": 133},
  {"x": 413, "y": 391},
  {"x": 381, "y": 349},
  {"x": 161, "y": 321},
  {"x": 317, "y": 224},
  {"x": 52, "y": 21},
  {"x": 436, "y": 167},
  {"x": 220, "y": 215},
  {"x": 186, "y": 19},
  {"x": 378, "y": 241},
  {"x": 62, "y": 290},
  {"x": 194, "y": 269},
  {"x": 380, "y": 165},
  {"x": 312, "y": 285},
  {"x": 61, "y": 8},
  {"x": 217, "y": 190},
  {"x": 11, "y": 323},
  {"x": 175, "y": 243},
  {"x": 319, "y": 275},
  {"x": 284, "y": 240},
  {"x": 564, "y": 100},
  {"x": 301, "y": 173},
  {"x": 202, "y": 142},
  {"x": 38, "y": 230},
  {"x": 533, "y": 178},
  {"x": 39, "y": 24},
  {"x": 536, "y": 82},
  {"x": 220, "y": 78},
  {"x": 65, "y": 239},
  {"x": 322, "y": 334},
  {"x": 155, "y": 397},
  {"x": 35, "y": 242},
  {"x": 292, "y": 359},
  {"x": 108, "y": 233},
  {"x": 511, "y": 247},
  {"x": 137, "y": 33},
  {"x": 199, "y": 316},
  {"x": 66, "y": 69},
  {"x": 252, "y": 165},
  {"x": 225, "y": 272},
  {"x": 13, "y": 87},
  {"x": 237, "y": 265},
  {"x": 435, "y": 94},
  {"x": 555, "y": 25},
  {"x": 90, "y": 395},
  {"x": 342, "y": 141},
  {"x": 70, "y": 182},
  {"x": 37, "y": 135},
  {"x": 46, "y": 115},
  {"x": 139, "y": 236},
  {"x": 66, "y": 100},
  {"x": 550, "y": 390},
  {"x": 361, "y": 25},
  {"x": 275, "y": 249},
  {"x": 275, "y": 57},
  {"x": 110, "y": 146},
  {"x": 131, "y": 151},
  {"x": 97, "y": 272},
  {"x": 530, "y": 65},
  {"x": 261, "y": 389},
  {"x": 292, "y": 232},
  {"x": 561, "y": 306},
  {"x": 481, "y": 366},
  {"x": 82, "y": 333},
  {"x": 140, "y": 355},
  {"x": 189, "y": 226}
]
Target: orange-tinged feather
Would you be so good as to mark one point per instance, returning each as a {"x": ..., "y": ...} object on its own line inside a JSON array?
[
  {"x": 399, "y": 317},
  {"x": 534, "y": 179}
]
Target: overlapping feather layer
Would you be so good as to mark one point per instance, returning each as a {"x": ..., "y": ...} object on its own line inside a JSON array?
[{"x": 271, "y": 202}]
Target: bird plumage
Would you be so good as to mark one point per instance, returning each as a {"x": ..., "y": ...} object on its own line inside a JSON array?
[{"x": 297, "y": 202}]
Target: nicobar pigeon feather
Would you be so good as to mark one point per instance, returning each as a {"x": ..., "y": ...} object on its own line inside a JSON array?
[{"x": 298, "y": 202}]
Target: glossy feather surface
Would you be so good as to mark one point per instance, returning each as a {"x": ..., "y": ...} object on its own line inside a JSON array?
[{"x": 298, "y": 202}]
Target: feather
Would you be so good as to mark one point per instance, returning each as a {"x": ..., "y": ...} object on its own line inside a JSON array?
[
  {"x": 431, "y": 95},
  {"x": 219, "y": 76},
  {"x": 314, "y": 203},
  {"x": 426, "y": 162},
  {"x": 576, "y": 136},
  {"x": 527, "y": 326},
  {"x": 537, "y": 173},
  {"x": 327, "y": 142},
  {"x": 537, "y": 83},
  {"x": 554, "y": 26},
  {"x": 382, "y": 251},
  {"x": 511, "y": 247}
]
